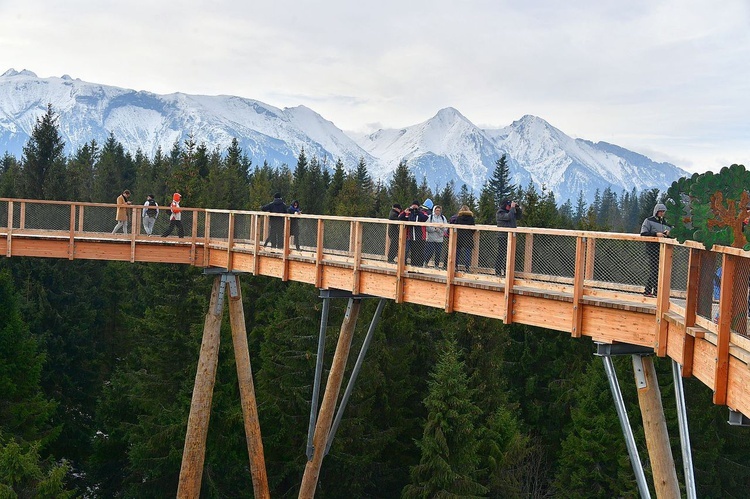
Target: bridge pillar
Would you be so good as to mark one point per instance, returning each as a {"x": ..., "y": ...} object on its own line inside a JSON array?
[{"x": 191, "y": 471}]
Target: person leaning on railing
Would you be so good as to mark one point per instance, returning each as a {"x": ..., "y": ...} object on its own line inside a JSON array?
[{"x": 654, "y": 226}]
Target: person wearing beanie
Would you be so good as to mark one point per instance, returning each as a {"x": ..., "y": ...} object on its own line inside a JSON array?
[
  {"x": 506, "y": 216},
  {"x": 149, "y": 214},
  {"x": 654, "y": 226},
  {"x": 276, "y": 222},
  {"x": 465, "y": 238},
  {"x": 415, "y": 235},
  {"x": 175, "y": 219},
  {"x": 294, "y": 209}
]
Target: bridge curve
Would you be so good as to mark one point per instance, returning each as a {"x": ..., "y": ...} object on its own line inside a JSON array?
[{"x": 581, "y": 282}]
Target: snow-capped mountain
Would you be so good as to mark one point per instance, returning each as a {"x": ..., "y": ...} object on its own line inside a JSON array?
[{"x": 446, "y": 147}]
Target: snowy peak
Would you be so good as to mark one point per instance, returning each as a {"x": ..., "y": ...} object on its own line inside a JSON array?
[{"x": 447, "y": 147}]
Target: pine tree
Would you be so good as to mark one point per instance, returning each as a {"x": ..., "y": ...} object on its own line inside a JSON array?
[
  {"x": 10, "y": 176},
  {"x": 43, "y": 162},
  {"x": 486, "y": 213},
  {"x": 337, "y": 183},
  {"x": 403, "y": 185},
  {"x": 449, "y": 446},
  {"x": 499, "y": 184}
]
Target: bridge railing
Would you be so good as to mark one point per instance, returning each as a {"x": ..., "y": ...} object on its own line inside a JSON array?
[{"x": 607, "y": 265}]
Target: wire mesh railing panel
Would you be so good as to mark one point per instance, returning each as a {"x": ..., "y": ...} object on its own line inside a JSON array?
[
  {"x": 219, "y": 227},
  {"x": 306, "y": 235},
  {"x": 709, "y": 285},
  {"x": 552, "y": 255},
  {"x": 243, "y": 228},
  {"x": 680, "y": 261},
  {"x": 97, "y": 219},
  {"x": 272, "y": 231},
  {"x": 522, "y": 240},
  {"x": 374, "y": 241},
  {"x": 489, "y": 255},
  {"x": 337, "y": 237},
  {"x": 740, "y": 296},
  {"x": 4, "y": 208},
  {"x": 47, "y": 216},
  {"x": 626, "y": 264}
]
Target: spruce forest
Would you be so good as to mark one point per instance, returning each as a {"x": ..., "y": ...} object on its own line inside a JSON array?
[{"x": 98, "y": 359}]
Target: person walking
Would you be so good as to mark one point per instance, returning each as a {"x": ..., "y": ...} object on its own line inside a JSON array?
[
  {"x": 294, "y": 209},
  {"x": 465, "y": 238},
  {"x": 393, "y": 230},
  {"x": 414, "y": 234},
  {"x": 150, "y": 212},
  {"x": 175, "y": 218},
  {"x": 275, "y": 224},
  {"x": 654, "y": 226},
  {"x": 435, "y": 235},
  {"x": 122, "y": 215},
  {"x": 506, "y": 216}
]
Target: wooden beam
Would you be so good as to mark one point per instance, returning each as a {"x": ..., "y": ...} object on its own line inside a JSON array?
[
  {"x": 194, "y": 237},
  {"x": 450, "y": 269},
  {"x": 691, "y": 304},
  {"x": 194, "y": 452},
  {"x": 319, "y": 242},
  {"x": 721, "y": 377},
  {"x": 247, "y": 393},
  {"x": 662, "y": 298},
  {"x": 580, "y": 261},
  {"x": 285, "y": 249},
  {"x": 72, "y": 243},
  {"x": 230, "y": 243},
  {"x": 206, "y": 240},
  {"x": 357, "y": 248},
  {"x": 400, "y": 263},
  {"x": 328, "y": 406},
  {"x": 655, "y": 430},
  {"x": 510, "y": 275},
  {"x": 132, "y": 234}
]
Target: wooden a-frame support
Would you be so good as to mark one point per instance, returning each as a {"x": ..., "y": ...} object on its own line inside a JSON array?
[{"x": 191, "y": 471}]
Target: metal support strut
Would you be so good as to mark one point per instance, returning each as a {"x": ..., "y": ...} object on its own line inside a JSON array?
[{"x": 687, "y": 453}]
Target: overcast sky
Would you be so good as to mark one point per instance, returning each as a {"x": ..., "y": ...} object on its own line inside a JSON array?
[{"x": 666, "y": 78}]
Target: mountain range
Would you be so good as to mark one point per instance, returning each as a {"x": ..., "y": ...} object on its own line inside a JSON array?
[{"x": 445, "y": 147}]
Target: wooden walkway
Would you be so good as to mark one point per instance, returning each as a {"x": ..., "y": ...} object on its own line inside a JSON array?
[{"x": 583, "y": 283}]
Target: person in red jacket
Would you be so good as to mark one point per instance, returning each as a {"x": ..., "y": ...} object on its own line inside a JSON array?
[{"x": 175, "y": 219}]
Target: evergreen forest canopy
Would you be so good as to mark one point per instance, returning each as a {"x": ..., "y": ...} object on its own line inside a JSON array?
[{"x": 98, "y": 359}]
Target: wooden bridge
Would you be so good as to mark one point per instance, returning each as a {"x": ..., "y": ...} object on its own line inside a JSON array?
[{"x": 580, "y": 282}]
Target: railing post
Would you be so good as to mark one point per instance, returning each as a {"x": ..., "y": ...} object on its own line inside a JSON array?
[
  {"x": 319, "y": 243},
  {"x": 662, "y": 299},
  {"x": 691, "y": 304},
  {"x": 578, "y": 280},
  {"x": 285, "y": 248},
  {"x": 71, "y": 244},
  {"x": 450, "y": 268},
  {"x": 401, "y": 263},
  {"x": 510, "y": 275},
  {"x": 230, "y": 243},
  {"x": 357, "y": 248},
  {"x": 721, "y": 374}
]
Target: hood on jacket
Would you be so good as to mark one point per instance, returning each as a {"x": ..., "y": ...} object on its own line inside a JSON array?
[{"x": 659, "y": 207}]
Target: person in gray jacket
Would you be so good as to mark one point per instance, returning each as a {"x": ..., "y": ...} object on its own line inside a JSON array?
[
  {"x": 654, "y": 226},
  {"x": 435, "y": 236}
]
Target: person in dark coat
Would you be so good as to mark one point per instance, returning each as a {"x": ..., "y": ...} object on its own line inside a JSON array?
[
  {"x": 506, "y": 216},
  {"x": 393, "y": 233},
  {"x": 415, "y": 234},
  {"x": 294, "y": 209},
  {"x": 654, "y": 226},
  {"x": 275, "y": 224},
  {"x": 465, "y": 237}
]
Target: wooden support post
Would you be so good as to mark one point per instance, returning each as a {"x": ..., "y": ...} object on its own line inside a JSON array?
[
  {"x": 230, "y": 244},
  {"x": 510, "y": 276},
  {"x": 72, "y": 243},
  {"x": 247, "y": 393},
  {"x": 328, "y": 406},
  {"x": 662, "y": 298},
  {"x": 194, "y": 451},
  {"x": 691, "y": 304},
  {"x": 655, "y": 430},
  {"x": 400, "y": 263},
  {"x": 578, "y": 278},
  {"x": 450, "y": 268},
  {"x": 256, "y": 245},
  {"x": 357, "y": 249},
  {"x": 319, "y": 244},
  {"x": 206, "y": 240},
  {"x": 721, "y": 374},
  {"x": 285, "y": 249}
]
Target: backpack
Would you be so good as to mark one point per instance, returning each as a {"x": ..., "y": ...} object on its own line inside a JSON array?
[{"x": 151, "y": 212}]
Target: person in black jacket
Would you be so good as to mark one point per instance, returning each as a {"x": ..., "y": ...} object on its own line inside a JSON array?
[
  {"x": 465, "y": 240},
  {"x": 506, "y": 216},
  {"x": 276, "y": 224},
  {"x": 393, "y": 233},
  {"x": 414, "y": 234},
  {"x": 294, "y": 209}
]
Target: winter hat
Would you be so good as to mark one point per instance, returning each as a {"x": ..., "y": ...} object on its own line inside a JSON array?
[
  {"x": 659, "y": 207},
  {"x": 277, "y": 195},
  {"x": 415, "y": 202},
  {"x": 176, "y": 196},
  {"x": 397, "y": 206},
  {"x": 505, "y": 203}
]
